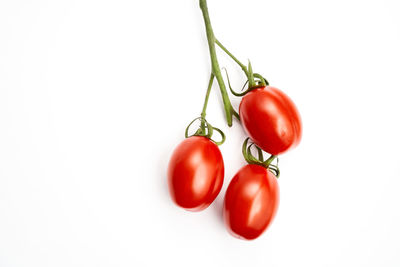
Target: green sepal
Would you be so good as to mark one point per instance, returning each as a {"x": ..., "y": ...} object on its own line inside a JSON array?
[
  {"x": 208, "y": 130},
  {"x": 248, "y": 156}
]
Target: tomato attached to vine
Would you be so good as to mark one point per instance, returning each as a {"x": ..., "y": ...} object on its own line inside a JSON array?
[{"x": 196, "y": 168}]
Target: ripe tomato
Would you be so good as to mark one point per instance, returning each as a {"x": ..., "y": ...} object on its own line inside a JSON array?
[
  {"x": 251, "y": 202},
  {"x": 271, "y": 119},
  {"x": 195, "y": 173}
]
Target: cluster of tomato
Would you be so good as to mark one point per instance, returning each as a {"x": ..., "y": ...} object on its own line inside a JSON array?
[{"x": 196, "y": 168}]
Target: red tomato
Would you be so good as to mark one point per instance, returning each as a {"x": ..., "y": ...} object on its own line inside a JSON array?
[
  {"x": 271, "y": 119},
  {"x": 195, "y": 173},
  {"x": 251, "y": 202}
]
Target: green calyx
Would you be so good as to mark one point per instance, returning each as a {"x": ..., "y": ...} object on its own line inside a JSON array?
[
  {"x": 205, "y": 129},
  {"x": 248, "y": 156},
  {"x": 259, "y": 81}
]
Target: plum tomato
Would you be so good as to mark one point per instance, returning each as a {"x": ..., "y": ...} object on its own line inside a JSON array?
[
  {"x": 271, "y": 119},
  {"x": 251, "y": 202},
  {"x": 195, "y": 173}
]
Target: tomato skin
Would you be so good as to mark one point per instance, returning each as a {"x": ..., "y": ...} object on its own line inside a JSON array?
[
  {"x": 251, "y": 202},
  {"x": 195, "y": 173},
  {"x": 271, "y": 119}
]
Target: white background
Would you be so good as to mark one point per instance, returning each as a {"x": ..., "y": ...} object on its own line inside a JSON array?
[{"x": 95, "y": 95}]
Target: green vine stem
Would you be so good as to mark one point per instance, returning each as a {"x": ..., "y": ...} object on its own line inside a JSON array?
[
  {"x": 215, "y": 69},
  {"x": 247, "y": 70},
  {"x": 203, "y": 112},
  {"x": 244, "y": 68}
]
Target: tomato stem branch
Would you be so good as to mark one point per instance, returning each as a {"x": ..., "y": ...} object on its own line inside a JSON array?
[
  {"x": 229, "y": 111},
  {"x": 244, "y": 68},
  {"x": 203, "y": 112},
  {"x": 250, "y": 76}
]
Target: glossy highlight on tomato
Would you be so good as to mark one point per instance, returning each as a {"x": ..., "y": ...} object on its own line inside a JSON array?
[
  {"x": 195, "y": 173},
  {"x": 251, "y": 202},
  {"x": 271, "y": 119}
]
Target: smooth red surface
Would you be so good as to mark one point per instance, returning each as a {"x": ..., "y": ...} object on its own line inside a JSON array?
[
  {"x": 271, "y": 119},
  {"x": 251, "y": 202},
  {"x": 195, "y": 173}
]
